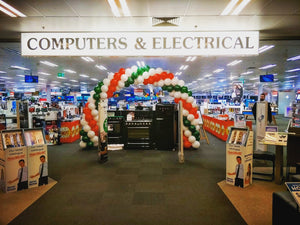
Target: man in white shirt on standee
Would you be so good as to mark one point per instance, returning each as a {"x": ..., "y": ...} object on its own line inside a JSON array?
[{"x": 43, "y": 171}]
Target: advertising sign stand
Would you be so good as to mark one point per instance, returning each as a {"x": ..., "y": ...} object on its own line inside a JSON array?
[
  {"x": 102, "y": 146},
  {"x": 261, "y": 123},
  {"x": 239, "y": 157}
]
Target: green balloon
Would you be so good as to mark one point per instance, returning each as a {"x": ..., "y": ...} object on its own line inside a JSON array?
[
  {"x": 127, "y": 84},
  {"x": 198, "y": 138},
  {"x": 164, "y": 87},
  {"x": 190, "y": 93},
  {"x": 169, "y": 88},
  {"x": 192, "y": 128},
  {"x": 184, "y": 89},
  {"x": 96, "y": 96},
  {"x": 139, "y": 71},
  {"x": 186, "y": 122},
  {"x": 100, "y": 84},
  {"x": 82, "y": 133},
  {"x": 196, "y": 134},
  {"x": 90, "y": 144},
  {"x": 130, "y": 80},
  {"x": 85, "y": 139},
  {"x": 134, "y": 76},
  {"x": 147, "y": 68},
  {"x": 97, "y": 89},
  {"x": 177, "y": 87}
]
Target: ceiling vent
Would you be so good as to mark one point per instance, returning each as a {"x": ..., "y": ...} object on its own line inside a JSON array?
[{"x": 165, "y": 21}]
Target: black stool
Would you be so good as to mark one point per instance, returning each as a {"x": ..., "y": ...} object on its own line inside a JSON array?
[{"x": 269, "y": 156}]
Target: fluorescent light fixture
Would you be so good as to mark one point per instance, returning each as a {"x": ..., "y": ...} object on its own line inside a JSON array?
[
  {"x": 218, "y": 70},
  {"x": 21, "y": 75},
  {"x": 11, "y": 9},
  {"x": 200, "y": 79},
  {"x": 114, "y": 8},
  {"x": 229, "y": 7},
  {"x": 291, "y": 76},
  {"x": 233, "y": 77},
  {"x": 178, "y": 73},
  {"x": 83, "y": 82},
  {"x": 184, "y": 67},
  {"x": 222, "y": 80},
  {"x": 19, "y": 67},
  {"x": 193, "y": 58},
  {"x": 7, "y": 78},
  {"x": 42, "y": 79},
  {"x": 267, "y": 67},
  {"x": 88, "y": 59},
  {"x": 7, "y": 12},
  {"x": 83, "y": 75},
  {"x": 293, "y": 70},
  {"x": 240, "y": 7},
  {"x": 43, "y": 73},
  {"x": 57, "y": 82},
  {"x": 235, "y": 62},
  {"x": 188, "y": 59},
  {"x": 294, "y": 58},
  {"x": 181, "y": 68},
  {"x": 208, "y": 75},
  {"x": 95, "y": 79},
  {"x": 101, "y": 67},
  {"x": 2, "y": 72},
  {"x": 125, "y": 8},
  {"x": 49, "y": 63},
  {"x": 74, "y": 80},
  {"x": 246, "y": 73},
  {"x": 265, "y": 48},
  {"x": 69, "y": 71},
  {"x": 63, "y": 78},
  {"x": 255, "y": 78}
]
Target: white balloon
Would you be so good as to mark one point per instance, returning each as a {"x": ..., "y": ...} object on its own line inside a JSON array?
[
  {"x": 86, "y": 128},
  {"x": 121, "y": 84},
  {"x": 194, "y": 104},
  {"x": 103, "y": 95},
  {"x": 184, "y": 128},
  {"x": 135, "y": 82},
  {"x": 160, "y": 83},
  {"x": 92, "y": 106},
  {"x": 181, "y": 83},
  {"x": 104, "y": 88},
  {"x": 95, "y": 144},
  {"x": 196, "y": 144},
  {"x": 91, "y": 99},
  {"x": 83, "y": 122},
  {"x": 94, "y": 139},
  {"x": 174, "y": 81},
  {"x": 195, "y": 122},
  {"x": 134, "y": 69},
  {"x": 155, "y": 84},
  {"x": 190, "y": 99},
  {"x": 92, "y": 93},
  {"x": 198, "y": 127},
  {"x": 94, "y": 112},
  {"x": 190, "y": 117},
  {"x": 159, "y": 70},
  {"x": 192, "y": 139},
  {"x": 172, "y": 93},
  {"x": 91, "y": 134},
  {"x": 177, "y": 94},
  {"x": 82, "y": 144},
  {"x": 187, "y": 133},
  {"x": 140, "y": 79},
  {"x": 110, "y": 76},
  {"x": 185, "y": 112},
  {"x": 151, "y": 72},
  {"x": 167, "y": 81},
  {"x": 106, "y": 81},
  {"x": 145, "y": 75},
  {"x": 124, "y": 77},
  {"x": 128, "y": 71},
  {"x": 184, "y": 96},
  {"x": 96, "y": 118}
]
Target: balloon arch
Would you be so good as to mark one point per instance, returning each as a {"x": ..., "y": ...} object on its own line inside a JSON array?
[{"x": 140, "y": 75}]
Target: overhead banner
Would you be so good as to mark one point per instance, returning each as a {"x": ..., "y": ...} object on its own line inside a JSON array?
[{"x": 140, "y": 43}]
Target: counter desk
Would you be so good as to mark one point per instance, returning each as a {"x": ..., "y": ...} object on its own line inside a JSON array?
[
  {"x": 69, "y": 130},
  {"x": 219, "y": 128}
]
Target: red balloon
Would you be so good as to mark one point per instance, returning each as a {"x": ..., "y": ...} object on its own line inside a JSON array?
[
  {"x": 176, "y": 100},
  {"x": 121, "y": 71},
  {"x": 88, "y": 111},
  {"x": 163, "y": 75},
  {"x": 110, "y": 93},
  {"x": 151, "y": 80},
  {"x": 93, "y": 123},
  {"x": 188, "y": 106},
  {"x": 185, "y": 139},
  {"x": 187, "y": 144},
  {"x": 87, "y": 104},
  {"x": 113, "y": 82},
  {"x": 117, "y": 76},
  {"x": 88, "y": 117},
  {"x": 171, "y": 76},
  {"x": 196, "y": 116},
  {"x": 146, "y": 81}
]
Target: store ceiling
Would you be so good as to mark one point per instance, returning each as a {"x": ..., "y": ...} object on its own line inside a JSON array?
[{"x": 277, "y": 21}]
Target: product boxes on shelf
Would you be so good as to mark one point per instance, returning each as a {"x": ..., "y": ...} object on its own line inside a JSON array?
[
  {"x": 13, "y": 161},
  {"x": 37, "y": 157},
  {"x": 239, "y": 157}
]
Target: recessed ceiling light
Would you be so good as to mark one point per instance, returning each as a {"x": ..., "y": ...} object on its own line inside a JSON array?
[
  {"x": 49, "y": 63},
  {"x": 88, "y": 59},
  {"x": 74, "y": 80},
  {"x": 114, "y": 8},
  {"x": 294, "y": 58},
  {"x": 218, "y": 70},
  {"x": 9, "y": 10},
  {"x": 69, "y": 71},
  {"x": 208, "y": 75},
  {"x": 95, "y": 79},
  {"x": 19, "y": 67},
  {"x": 125, "y": 9},
  {"x": 235, "y": 62},
  {"x": 293, "y": 70},
  {"x": 43, "y": 73},
  {"x": 2, "y": 72},
  {"x": 255, "y": 78},
  {"x": 101, "y": 67},
  {"x": 240, "y": 7},
  {"x": 63, "y": 78},
  {"x": 267, "y": 67},
  {"x": 55, "y": 81},
  {"x": 246, "y": 73},
  {"x": 21, "y": 75},
  {"x": 291, "y": 76}
]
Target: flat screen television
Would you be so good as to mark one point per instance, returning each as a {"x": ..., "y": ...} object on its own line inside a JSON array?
[
  {"x": 267, "y": 78},
  {"x": 31, "y": 79}
]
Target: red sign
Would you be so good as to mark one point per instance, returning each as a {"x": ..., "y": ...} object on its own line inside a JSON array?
[{"x": 12, "y": 93}]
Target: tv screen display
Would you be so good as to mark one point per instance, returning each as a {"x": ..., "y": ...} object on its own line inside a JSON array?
[
  {"x": 31, "y": 79},
  {"x": 267, "y": 78}
]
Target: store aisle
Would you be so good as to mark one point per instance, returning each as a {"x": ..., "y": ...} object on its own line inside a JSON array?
[{"x": 134, "y": 187}]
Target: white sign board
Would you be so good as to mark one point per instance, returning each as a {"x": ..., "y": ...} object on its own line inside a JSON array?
[{"x": 140, "y": 43}]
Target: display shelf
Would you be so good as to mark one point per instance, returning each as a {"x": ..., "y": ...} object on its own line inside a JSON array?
[{"x": 295, "y": 122}]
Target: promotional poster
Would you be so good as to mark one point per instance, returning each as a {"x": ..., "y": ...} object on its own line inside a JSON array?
[
  {"x": 294, "y": 188},
  {"x": 34, "y": 137},
  {"x": 12, "y": 139},
  {"x": 37, "y": 165},
  {"x": 239, "y": 155},
  {"x": 261, "y": 123}
]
